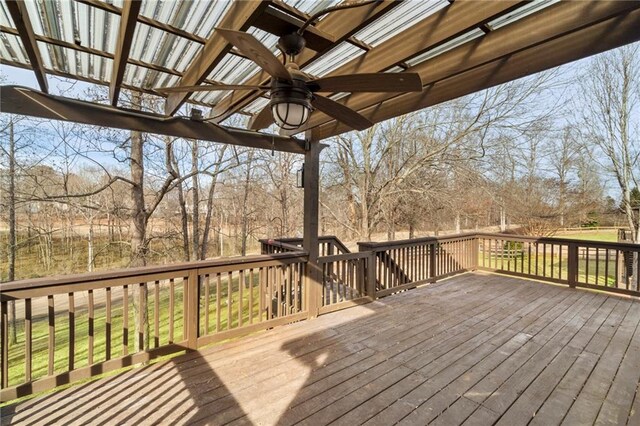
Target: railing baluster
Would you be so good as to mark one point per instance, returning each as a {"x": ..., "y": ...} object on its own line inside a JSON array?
[
  {"x": 240, "y": 296},
  {"x": 91, "y": 328},
  {"x": 172, "y": 301},
  {"x": 156, "y": 314},
  {"x": 4, "y": 380},
  {"x": 51, "y": 313},
  {"x": 586, "y": 264},
  {"x": 142, "y": 311},
  {"x": 206, "y": 304},
  {"x": 251, "y": 296},
  {"x": 617, "y": 269},
  {"x": 28, "y": 340},
  {"x": 107, "y": 326},
  {"x": 288, "y": 289},
  {"x": 72, "y": 332},
  {"x": 229, "y": 299},
  {"x": 262, "y": 274},
  {"x": 218, "y": 296},
  {"x": 597, "y": 265},
  {"x": 125, "y": 320}
]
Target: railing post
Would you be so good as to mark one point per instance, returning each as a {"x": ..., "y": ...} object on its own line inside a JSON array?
[
  {"x": 371, "y": 275},
  {"x": 192, "y": 314},
  {"x": 572, "y": 265}
]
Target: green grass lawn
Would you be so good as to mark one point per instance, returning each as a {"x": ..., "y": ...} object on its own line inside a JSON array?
[{"x": 606, "y": 235}]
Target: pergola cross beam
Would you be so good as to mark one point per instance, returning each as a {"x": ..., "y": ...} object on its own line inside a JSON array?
[
  {"x": 18, "y": 11},
  {"x": 128, "y": 20}
]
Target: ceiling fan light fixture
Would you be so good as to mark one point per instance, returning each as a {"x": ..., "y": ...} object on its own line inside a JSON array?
[
  {"x": 290, "y": 115},
  {"x": 291, "y": 104}
]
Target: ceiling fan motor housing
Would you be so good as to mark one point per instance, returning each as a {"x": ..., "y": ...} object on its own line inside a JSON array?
[{"x": 291, "y": 44}]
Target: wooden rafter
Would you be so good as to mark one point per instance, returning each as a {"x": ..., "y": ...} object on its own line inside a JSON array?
[
  {"x": 446, "y": 24},
  {"x": 22, "y": 100},
  {"x": 18, "y": 11},
  {"x": 341, "y": 24},
  {"x": 239, "y": 17},
  {"x": 592, "y": 34},
  {"x": 128, "y": 21}
]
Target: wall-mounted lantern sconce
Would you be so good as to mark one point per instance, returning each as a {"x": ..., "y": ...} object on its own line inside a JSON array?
[{"x": 300, "y": 177}]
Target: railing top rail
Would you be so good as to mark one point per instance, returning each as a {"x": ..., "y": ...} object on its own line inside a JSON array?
[
  {"x": 344, "y": 256},
  {"x": 553, "y": 240},
  {"x": 241, "y": 261},
  {"x": 297, "y": 240},
  {"x": 281, "y": 244},
  {"x": 399, "y": 243}
]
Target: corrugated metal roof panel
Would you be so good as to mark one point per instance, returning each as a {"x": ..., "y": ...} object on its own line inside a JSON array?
[{"x": 12, "y": 49}]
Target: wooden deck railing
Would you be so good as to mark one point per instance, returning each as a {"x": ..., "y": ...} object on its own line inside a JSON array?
[
  {"x": 603, "y": 266},
  {"x": 75, "y": 327},
  {"x": 401, "y": 265},
  {"x": 347, "y": 279},
  {"x": 329, "y": 245}
]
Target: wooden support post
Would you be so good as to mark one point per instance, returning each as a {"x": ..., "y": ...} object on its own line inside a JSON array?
[
  {"x": 572, "y": 265},
  {"x": 310, "y": 235}
]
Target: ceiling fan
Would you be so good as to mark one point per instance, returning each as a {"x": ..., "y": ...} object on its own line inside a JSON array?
[{"x": 294, "y": 94}]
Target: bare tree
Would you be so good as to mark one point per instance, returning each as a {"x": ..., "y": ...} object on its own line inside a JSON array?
[{"x": 610, "y": 105}]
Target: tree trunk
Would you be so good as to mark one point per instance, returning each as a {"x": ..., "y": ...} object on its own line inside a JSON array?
[
  {"x": 195, "y": 199},
  {"x": 204, "y": 247},
  {"x": 245, "y": 219},
  {"x": 13, "y": 334},
  {"x": 139, "y": 241},
  {"x": 90, "y": 247},
  {"x": 184, "y": 219}
]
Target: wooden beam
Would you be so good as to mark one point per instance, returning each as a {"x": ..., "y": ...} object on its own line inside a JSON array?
[
  {"x": 128, "y": 20},
  {"x": 552, "y": 52},
  {"x": 240, "y": 16},
  {"x": 446, "y": 24},
  {"x": 18, "y": 11},
  {"x": 341, "y": 24},
  {"x": 26, "y": 101}
]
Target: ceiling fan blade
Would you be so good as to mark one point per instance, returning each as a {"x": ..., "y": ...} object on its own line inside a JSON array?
[
  {"x": 341, "y": 112},
  {"x": 249, "y": 46},
  {"x": 373, "y": 82},
  {"x": 209, "y": 88},
  {"x": 262, "y": 120}
]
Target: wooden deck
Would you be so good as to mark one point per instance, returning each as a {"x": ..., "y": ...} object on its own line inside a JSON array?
[{"x": 475, "y": 349}]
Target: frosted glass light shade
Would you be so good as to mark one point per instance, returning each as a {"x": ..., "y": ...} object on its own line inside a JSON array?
[{"x": 290, "y": 116}]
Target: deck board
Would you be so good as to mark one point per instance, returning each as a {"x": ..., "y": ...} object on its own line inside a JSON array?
[{"x": 475, "y": 349}]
